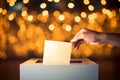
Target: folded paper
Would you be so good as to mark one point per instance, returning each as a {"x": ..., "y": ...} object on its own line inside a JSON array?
[{"x": 56, "y": 52}]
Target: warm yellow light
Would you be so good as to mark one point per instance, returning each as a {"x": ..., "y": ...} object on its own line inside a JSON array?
[
  {"x": 4, "y": 11},
  {"x": 11, "y": 1},
  {"x": 30, "y": 18},
  {"x": 22, "y": 27},
  {"x": 103, "y": 2},
  {"x": 24, "y": 13},
  {"x": 56, "y": 1},
  {"x": 118, "y": 0},
  {"x": 71, "y": 5},
  {"x": 68, "y": 28},
  {"x": 51, "y": 27},
  {"x": 86, "y": 2},
  {"x": 106, "y": 11},
  {"x": 12, "y": 39},
  {"x": 91, "y": 7},
  {"x": 0, "y": 10},
  {"x": 56, "y": 13},
  {"x": 25, "y": 1},
  {"x": 77, "y": 19},
  {"x": 92, "y": 16},
  {"x": 11, "y": 4},
  {"x": 83, "y": 14},
  {"x": 61, "y": 17},
  {"x": 45, "y": 13},
  {"x": 12, "y": 16},
  {"x": 50, "y": 0},
  {"x": 43, "y": 5},
  {"x": 66, "y": 14}
]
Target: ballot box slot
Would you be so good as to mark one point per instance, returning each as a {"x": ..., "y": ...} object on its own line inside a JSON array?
[{"x": 71, "y": 61}]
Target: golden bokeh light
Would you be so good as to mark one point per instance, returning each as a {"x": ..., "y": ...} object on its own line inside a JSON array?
[
  {"x": 0, "y": 10},
  {"x": 42, "y": 18},
  {"x": 103, "y": 2},
  {"x": 11, "y": 1},
  {"x": 68, "y": 28},
  {"x": 86, "y": 2},
  {"x": 30, "y": 18},
  {"x": 51, "y": 27},
  {"x": 77, "y": 19},
  {"x": 29, "y": 29},
  {"x": 66, "y": 14},
  {"x": 43, "y": 5},
  {"x": 56, "y": 1},
  {"x": 12, "y": 39},
  {"x": 56, "y": 13},
  {"x": 50, "y": 0},
  {"x": 104, "y": 10},
  {"x": 45, "y": 13},
  {"x": 4, "y": 12},
  {"x": 11, "y": 16},
  {"x": 24, "y": 13},
  {"x": 90, "y": 7},
  {"x": 11, "y": 4},
  {"x": 71, "y": 5},
  {"x": 83, "y": 14},
  {"x": 61, "y": 17},
  {"x": 118, "y": 0},
  {"x": 25, "y": 1},
  {"x": 92, "y": 17},
  {"x": 108, "y": 12}
]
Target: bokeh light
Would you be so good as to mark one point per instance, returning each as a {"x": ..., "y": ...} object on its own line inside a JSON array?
[
  {"x": 11, "y": 4},
  {"x": 91, "y": 7},
  {"x": 77, "y": 19},
  {"x": 25, "y": 1},
  {"x": 51, "y": 27},
  {"x": 83, "y": 14},
  {"x": 56, "y": 1},
  {"x": 45, "y": 13},
  {"x": 0, "y": 10},
  {"x": 30, "y": 18},
  {"x": 4, "y": 12},
  {"x": 24, "y": 13},
  {"x": 68, "y": 28},
  {"x": 50, "y": 0},
  {"x": 61, "y": 17},
  {"x": 103, "y": 2},
  {"x": 24, "y": 25},
  {"x": 71, "y": 5},
  {"x": 56, "y": 13},
  {"x": 12, "y": 16},
  {"x": 43, "y": 5},
  {"x": 86, "y": 2}
]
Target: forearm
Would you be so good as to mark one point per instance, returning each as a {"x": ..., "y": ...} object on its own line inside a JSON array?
[{"x": 111, "y": 38}]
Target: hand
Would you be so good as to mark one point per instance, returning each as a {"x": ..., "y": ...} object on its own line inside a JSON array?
[{"x": 86, "y": 36}]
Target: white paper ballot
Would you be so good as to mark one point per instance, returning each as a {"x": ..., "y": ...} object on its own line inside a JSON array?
[{"x": 57, "y": 53}]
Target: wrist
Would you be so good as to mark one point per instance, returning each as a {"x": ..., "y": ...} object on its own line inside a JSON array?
[{"x": 103, "y": 38}]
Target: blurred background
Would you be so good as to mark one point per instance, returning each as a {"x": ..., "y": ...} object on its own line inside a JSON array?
[{"x": 25, "y": 24}]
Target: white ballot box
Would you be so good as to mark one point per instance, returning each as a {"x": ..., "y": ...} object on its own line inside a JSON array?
[
  {"x": 78, "y": 69},
  {"x": 56, "y": 65}
]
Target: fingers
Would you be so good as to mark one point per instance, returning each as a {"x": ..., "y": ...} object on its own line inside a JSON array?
[
  {"x": 78, "y": 39},
  {"x": 76, "y": 44}
]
